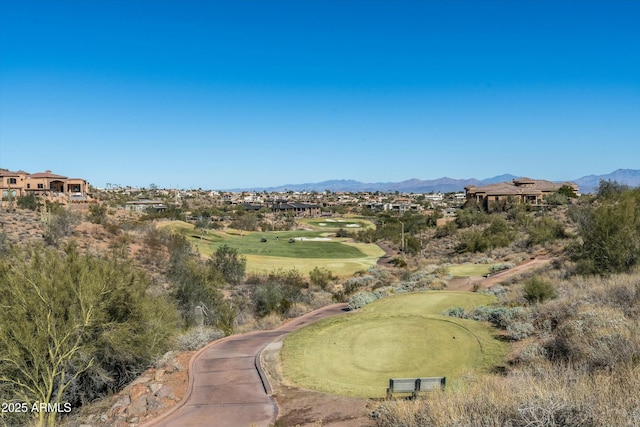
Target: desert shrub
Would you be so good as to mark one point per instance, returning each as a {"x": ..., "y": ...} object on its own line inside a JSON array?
[
  {"x": 29, "y": 201},
  {"x": 229, "y": 263},
  {"x": 399, "y": 262},
  {"x": 4, "y": 243},
  {"x": 544, "y": 230},
  {"x": 609, "y": 235},
  {"x": 342, "y": 233},
  {"x": 498, "y": 290},
  {"x": 471, "y": 215},
  {"x": 596, "y": 337},
  {"x": 545, "y": 397},
  {"x": 608, "y": 189},
  {"x": 556, "y": 199},
  {"x": 537, "y": 290},
  {"x": 354, "y": 283},
  {"x": 76, "y": 325},
  {"x": 500, "y": 267},
  {"x": 449, "y": 229},
  {"x": 361, "y": 299},
  {"x": 458, "y": 312},
  {"x": 297, "y": 309},
  {"x": 270, "y": 321},
  {"x": 321, "y": 277},
  {"x": 278, "y": 293},
  {"x": 529, "y": 353},
  {"x": 247, "y": 222},
  {"x": 499, "y": 233},
  {"x": 520, "y": 330},
  {"x": 381, "y": 274},
  {"x": 498, "y": 316},
  {"x": 196, "y": 338},
  {"x": 472, "y": 241},
  {"x": 58, "y": 223},
  {"x": 270, "y": 298},
  {"x": 97, "y": 213}
]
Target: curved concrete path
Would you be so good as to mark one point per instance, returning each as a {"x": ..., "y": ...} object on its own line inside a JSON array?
[{"x": 227, "y": 387}]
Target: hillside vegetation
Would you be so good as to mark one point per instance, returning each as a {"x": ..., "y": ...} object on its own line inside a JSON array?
[
  {"x": 575, "y": 360},
  {"x": 90, "y": 296}
]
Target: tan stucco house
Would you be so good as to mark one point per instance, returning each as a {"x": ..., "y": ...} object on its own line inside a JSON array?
[
  {"x": 521, "y": 190},
  {"x": 44, "y": 183}
]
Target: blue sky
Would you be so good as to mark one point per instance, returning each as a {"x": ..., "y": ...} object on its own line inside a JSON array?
[{"x": 228, "y": 94}]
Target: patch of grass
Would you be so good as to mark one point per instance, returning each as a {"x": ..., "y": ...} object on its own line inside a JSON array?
[
  {"x": 466, "y": 270},
  {"x": 340, "y": 256},
  {"x": 333, "y": 224},
  {"x": 401, "y": 336}
]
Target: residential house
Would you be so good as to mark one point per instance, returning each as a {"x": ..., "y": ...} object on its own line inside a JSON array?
[
  {"x": 520, "y": 190},
  {"x": 298, "y": 209},
  {"x": 45, "y": 183}
]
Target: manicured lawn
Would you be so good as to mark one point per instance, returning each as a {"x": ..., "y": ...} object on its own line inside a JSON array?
[
  {"x": 311, "y": 249},
  {"x": 468, "y": 269},
  {"x": 334, "y": 224},
  {"x": 401, "y": 336}
]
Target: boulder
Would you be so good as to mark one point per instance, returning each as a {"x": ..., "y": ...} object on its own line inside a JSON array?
[{"x": 137, "y": 390}]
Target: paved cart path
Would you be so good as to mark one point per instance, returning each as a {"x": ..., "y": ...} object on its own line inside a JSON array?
[{"x": 227, "y": 387}]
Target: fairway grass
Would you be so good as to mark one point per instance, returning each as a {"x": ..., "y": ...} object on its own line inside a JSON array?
[
  {"x": 396, "y": 337},
  {"x": 468, "y": 269},
  {"x": 334, "y": 224},
  {"x": 311, "y": 249}
]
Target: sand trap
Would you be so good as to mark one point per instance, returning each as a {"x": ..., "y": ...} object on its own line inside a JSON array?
[
  {"x": 353, "y": 225},
  {"x": 341, "y": 220},
  {"x": 313, "y": 239},
  {"x": 322, "y": 224}
]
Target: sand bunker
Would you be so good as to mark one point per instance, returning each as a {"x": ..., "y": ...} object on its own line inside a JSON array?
[{"x": 313, "y": 239}]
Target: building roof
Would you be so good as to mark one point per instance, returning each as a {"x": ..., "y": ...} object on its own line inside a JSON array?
[
  {"x": 519, "y": 186},
  {"x": 46, "y": 174}
]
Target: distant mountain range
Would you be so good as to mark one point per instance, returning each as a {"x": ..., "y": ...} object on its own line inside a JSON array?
[{"x": 587, "y": 184}]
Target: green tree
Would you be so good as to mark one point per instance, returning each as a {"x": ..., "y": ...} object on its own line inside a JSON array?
[
  {"x": 537, "y": 290},
  {"x": 97, "y": 213},
  {"x": 278, "y": 291},
  {"x": 229, "y": 263},
  {"x": 321, "y": 277},
  {"x": 610, "y": 189},
  {"x": 58, "y": 222},
  {"x": 545, "y": 230},
  {"x": 68, "y": 321},
  {"x": 609, "y": 234},
  {"x": 567, "y": 191},
  {"x": 28, "y": 201}
]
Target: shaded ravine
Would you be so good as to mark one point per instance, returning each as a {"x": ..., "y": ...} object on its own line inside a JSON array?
[{"x": 227, "y": 387}]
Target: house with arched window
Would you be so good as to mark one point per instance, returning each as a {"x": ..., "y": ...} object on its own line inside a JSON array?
[
  {"x": 47, "y": 183},
  {"x": 519, "y": 190}
]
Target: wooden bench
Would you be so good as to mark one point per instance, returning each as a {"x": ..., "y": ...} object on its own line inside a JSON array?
[{"x": 414, "y": 385}]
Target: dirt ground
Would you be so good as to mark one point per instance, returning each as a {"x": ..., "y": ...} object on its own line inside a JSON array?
[{"x": 302, "y": 407}]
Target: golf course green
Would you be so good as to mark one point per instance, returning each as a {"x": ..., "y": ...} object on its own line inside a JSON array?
[
  {"x": 300, "y": 249},
  {"x": 396, "y": 337}
]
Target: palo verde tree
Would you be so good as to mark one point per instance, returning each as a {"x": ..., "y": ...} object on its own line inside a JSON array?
[
  {"x": 609, "y": 232},
  {"x": 229, "y": 263},
  {"x": 72, "y": 326}
]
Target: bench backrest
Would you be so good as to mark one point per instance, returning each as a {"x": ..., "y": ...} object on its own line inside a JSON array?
[
  {"x": 430, "y": 383},
  {"x": 409, "y": 385},
  {"x": 402, "y": 385}
]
